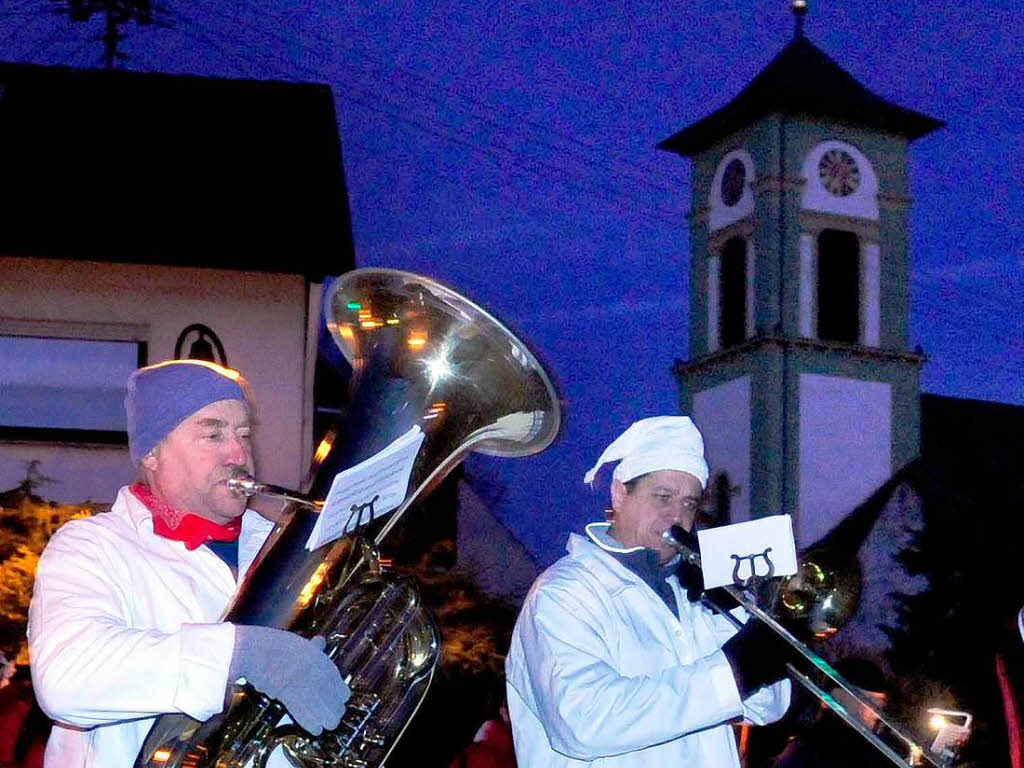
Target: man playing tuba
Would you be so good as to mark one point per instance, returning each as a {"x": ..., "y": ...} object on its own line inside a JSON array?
[{"x": 123, "y": 624}]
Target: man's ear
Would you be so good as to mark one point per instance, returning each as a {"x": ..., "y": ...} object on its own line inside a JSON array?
[
  {"x": 618, "y": 492},
  {"x": 149, "y": 461}
]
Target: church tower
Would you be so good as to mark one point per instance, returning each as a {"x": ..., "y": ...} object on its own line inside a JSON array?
[{"x": 800, "y": 375}]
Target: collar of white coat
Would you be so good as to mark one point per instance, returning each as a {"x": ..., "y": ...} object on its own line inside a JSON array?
[
  {"x": 255, "y": 528},
  {"x": 254, "y": 525},
  {"x": 137, "y": 512},
  {"x": 591, "y": 552},
  {"x": 598, "y": 533}
]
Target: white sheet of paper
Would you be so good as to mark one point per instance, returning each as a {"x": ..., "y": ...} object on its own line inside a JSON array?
[
  {"x": 255, "y": 530},
  {"x": 718, "y": 545},
  {"x": 383, "y": 478}
]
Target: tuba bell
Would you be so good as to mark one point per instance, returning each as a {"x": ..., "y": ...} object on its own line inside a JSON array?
[{"x": 423, "y": 358}]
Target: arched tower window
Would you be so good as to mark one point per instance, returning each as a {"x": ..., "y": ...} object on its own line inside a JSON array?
[
  {"x": 838, "y": 286},
  {"x": 733, "y": 321}
]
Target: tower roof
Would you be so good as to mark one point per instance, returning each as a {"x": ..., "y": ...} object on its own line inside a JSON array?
[{"x": 802, "y": 80}]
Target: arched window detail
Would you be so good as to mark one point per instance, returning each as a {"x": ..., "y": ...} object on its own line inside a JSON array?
[{"x": 838, "y": 286}]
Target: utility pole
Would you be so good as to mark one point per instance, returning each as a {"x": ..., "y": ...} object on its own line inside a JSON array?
[{"x": 117, "y": 12}]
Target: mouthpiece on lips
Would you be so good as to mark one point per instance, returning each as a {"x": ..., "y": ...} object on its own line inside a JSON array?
[
  {"x": 241, "y": 483},
  {"x": 685, "y": 542}
]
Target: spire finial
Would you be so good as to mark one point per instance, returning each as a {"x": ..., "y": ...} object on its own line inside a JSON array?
[{"x": 799, "y": 9}]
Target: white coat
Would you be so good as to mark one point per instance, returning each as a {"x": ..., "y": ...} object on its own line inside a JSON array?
[
  {"x": 123, "y": 626},
  {"x": 601, "y": 672}
]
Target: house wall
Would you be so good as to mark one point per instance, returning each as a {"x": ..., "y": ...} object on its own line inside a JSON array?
[{"x": 261, "y": 318}]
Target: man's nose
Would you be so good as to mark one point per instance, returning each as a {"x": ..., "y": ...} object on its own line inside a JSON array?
[
  {"x": 237, "y": 450},
  {"x": 683, "y": 514}
]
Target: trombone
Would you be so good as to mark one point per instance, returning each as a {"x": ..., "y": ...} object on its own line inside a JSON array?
[{"x": 915, "y": 755}]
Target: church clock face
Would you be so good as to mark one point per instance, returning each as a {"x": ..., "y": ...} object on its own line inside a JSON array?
[
  {"x": 733, "y": 178},
  {"x": 839, "y": 173}
]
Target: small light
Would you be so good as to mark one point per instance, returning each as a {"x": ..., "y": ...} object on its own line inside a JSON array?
[
  {"x": 369, "y": 325},
  {"x": 162, "y": 755},
  {"x": 311, "y": 587},
  {"x": 354, "y": 305},
  {"x": 346, "y": 332},
  {"x": 392, "y": 321},
  {"x": 436, "y": 410},
  {"x": 937, "y": 722},
  {"x": 417, "y": 339},
  {"x": 323, "y": 448}
]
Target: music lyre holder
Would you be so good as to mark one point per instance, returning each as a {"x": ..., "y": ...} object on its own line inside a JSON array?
[
  {"x": 917, "y": 755},
  {"x": 754, "y": 575}
]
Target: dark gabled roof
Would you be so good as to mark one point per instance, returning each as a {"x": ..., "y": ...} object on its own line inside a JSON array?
[
  {"x": 170, "y": 169},
  {"x": 980, "y": 440},
  {"x": 970, "y": 460},
  {"x": 802, "y": 80}
]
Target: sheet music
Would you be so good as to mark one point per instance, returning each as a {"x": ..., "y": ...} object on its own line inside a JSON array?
[
  {"x": 367, "y": 491},
  {"x": 754, "y": 542}
]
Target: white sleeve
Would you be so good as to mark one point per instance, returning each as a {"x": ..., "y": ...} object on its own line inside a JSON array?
[
  {"x": 90, "y": 668},
  {"x": 587, "y": 708},
  {"x": 767, "y": 704}
]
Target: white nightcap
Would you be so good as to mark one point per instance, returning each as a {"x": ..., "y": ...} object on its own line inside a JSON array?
[{"x": 660, "y": 442}]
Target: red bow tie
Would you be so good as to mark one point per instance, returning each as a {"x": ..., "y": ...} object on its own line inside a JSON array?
[{"x": 192, "y": 530}]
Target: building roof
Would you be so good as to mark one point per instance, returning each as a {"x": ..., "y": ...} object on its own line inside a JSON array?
[
  {"x": 801, "y": 80},
  {"x": 970, "y": 459},
  {"x": 172, "y": 169}
]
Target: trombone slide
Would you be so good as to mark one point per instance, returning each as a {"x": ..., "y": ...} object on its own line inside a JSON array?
[{"x": 916, "y": 754}]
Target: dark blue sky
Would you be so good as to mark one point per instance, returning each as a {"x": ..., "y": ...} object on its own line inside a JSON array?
[{"x": 507, "y": 149}]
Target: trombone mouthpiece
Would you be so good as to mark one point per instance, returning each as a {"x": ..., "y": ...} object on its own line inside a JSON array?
[{"x": 684, "y": 542}]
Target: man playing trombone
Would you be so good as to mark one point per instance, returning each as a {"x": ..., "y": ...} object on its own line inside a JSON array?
[{"x": 611, "y": 663}]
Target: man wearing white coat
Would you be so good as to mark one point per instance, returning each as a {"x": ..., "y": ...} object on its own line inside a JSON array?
[
  {"x": 125, "y": 624},
  {"x": 610, "y": 663}
]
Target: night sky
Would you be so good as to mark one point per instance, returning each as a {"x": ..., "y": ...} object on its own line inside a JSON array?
[{"x": 508, "y": 150}]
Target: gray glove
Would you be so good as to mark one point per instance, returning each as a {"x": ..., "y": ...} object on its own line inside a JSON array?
[{"x": 293, "y": 670}]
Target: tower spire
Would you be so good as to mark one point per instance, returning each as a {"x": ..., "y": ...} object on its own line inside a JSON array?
[{"x": 799, "y": 9}]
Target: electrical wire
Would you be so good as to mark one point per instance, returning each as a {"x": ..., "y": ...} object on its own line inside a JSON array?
[{"x": 533, "y": 165}]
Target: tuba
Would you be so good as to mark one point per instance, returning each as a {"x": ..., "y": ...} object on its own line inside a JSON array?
[{"x": 426, "y": 362}]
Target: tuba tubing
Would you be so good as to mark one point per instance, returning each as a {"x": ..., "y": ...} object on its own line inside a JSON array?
[{"x": 678, "y": 536}]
